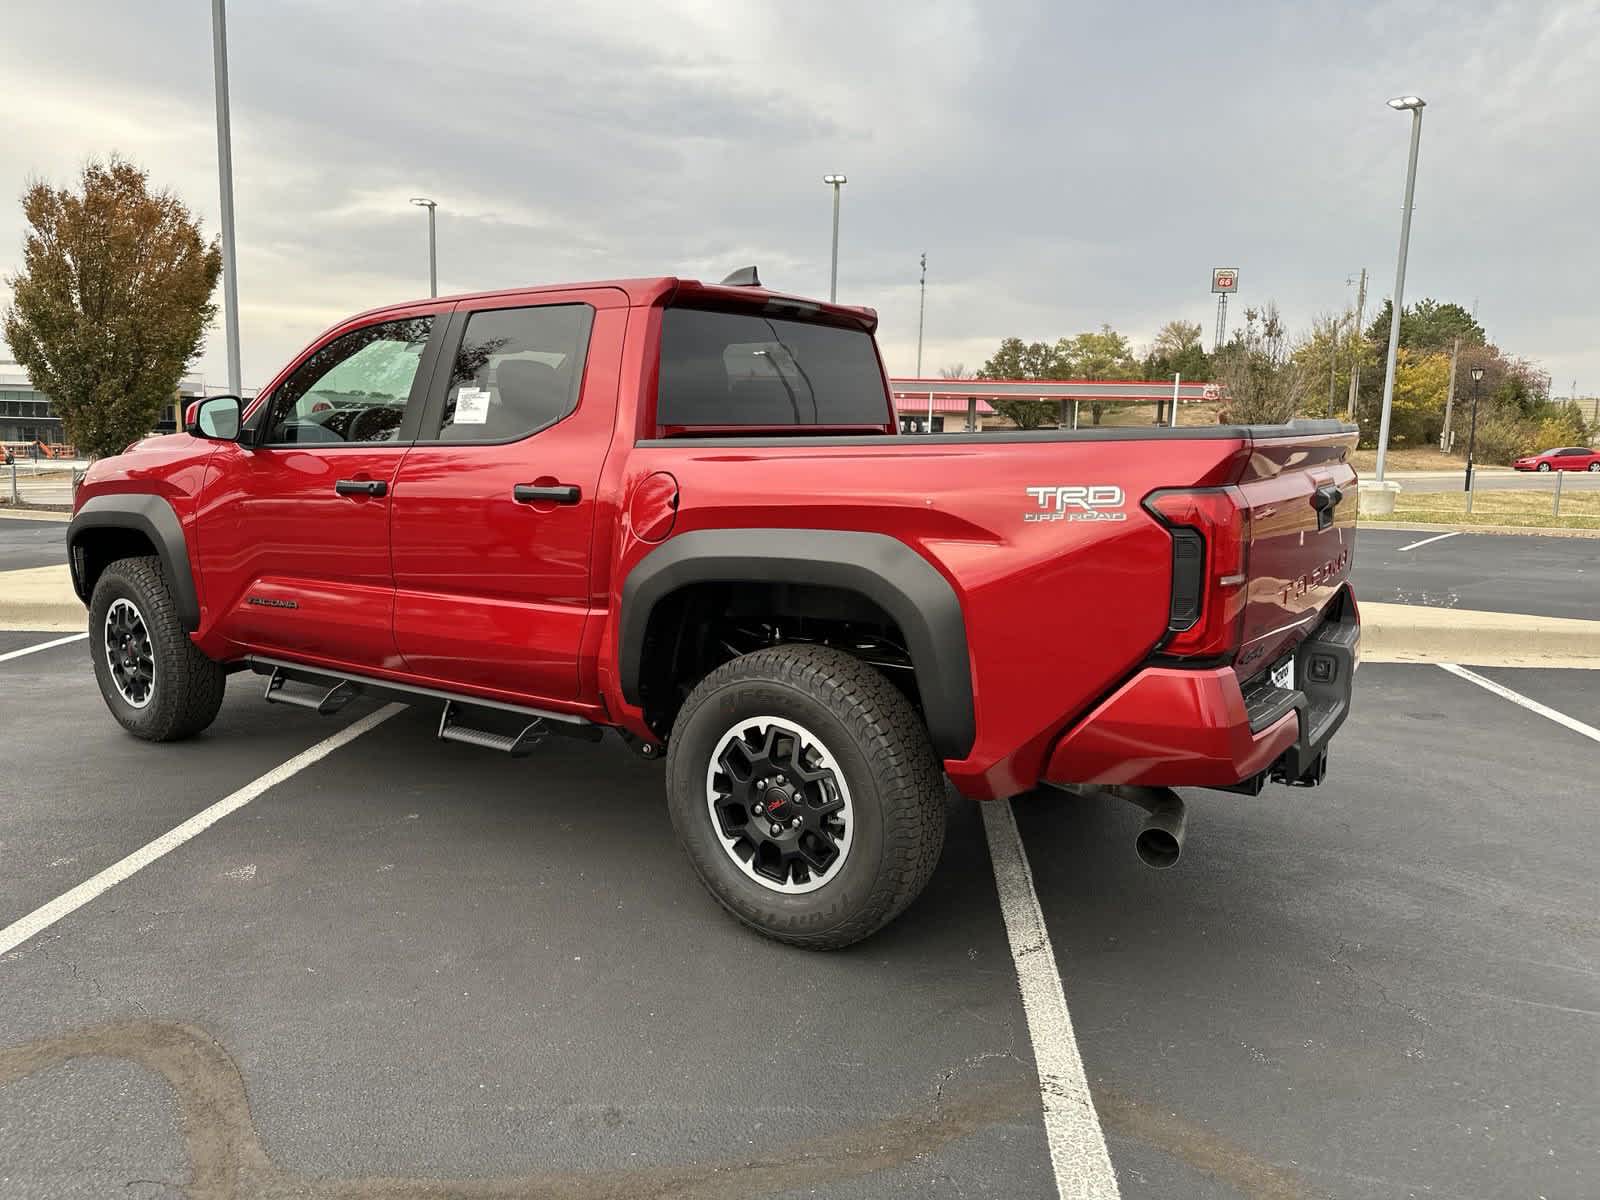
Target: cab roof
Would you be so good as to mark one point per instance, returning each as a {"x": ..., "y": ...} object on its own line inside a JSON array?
[{"x": 666, "y": 290}]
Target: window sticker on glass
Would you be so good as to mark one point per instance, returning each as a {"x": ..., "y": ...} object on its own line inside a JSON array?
[{"x": 472, "y": 406}]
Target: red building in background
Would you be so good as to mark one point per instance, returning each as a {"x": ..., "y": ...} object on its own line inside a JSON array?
[{"x": 963, "y": 405}]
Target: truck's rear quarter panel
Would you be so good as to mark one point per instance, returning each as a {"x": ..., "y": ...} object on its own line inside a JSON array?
[{"x": 1057, "y": 610}]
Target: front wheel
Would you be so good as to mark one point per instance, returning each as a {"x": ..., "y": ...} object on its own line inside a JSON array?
[
  {"x": 804, "y": 790},
  {"x": 154, "y": 680},
  {"x": 1544, "y": 466}
]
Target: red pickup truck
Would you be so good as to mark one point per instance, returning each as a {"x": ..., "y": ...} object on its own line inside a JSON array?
[{"x": 684, "y": 511}]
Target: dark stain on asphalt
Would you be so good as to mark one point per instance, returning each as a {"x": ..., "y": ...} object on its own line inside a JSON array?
[{"x": 227, "y": 1161}]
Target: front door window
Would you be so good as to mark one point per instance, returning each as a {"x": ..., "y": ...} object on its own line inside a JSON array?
[{"x": 353, "y": 390}]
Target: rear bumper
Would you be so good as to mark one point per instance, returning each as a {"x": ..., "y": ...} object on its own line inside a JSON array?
[{"x": 1176, "y": 727}]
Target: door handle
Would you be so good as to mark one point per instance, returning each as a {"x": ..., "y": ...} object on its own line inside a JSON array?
[
  {"x": 1325, "y": 499},
  {"x": 560, "y": 493},
  {"x": 361, "y": 487}
]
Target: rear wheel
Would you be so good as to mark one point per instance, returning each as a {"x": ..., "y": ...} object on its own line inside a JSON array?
[
  {"x": 803, "y": 788},
  {"x": 152, "y": 677},
  {"x": 1595, "y": 467}
]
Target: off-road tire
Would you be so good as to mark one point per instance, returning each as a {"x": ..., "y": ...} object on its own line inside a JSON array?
[
  {"x": 187, "y": 692},
  {"x": 882, "y": 750}
]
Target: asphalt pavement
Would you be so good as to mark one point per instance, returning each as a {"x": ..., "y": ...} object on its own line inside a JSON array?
[
  {"x": 417, "y": 969},
  {"x": 26, "y": 543},
  {"x": 1542, "y": 576}
]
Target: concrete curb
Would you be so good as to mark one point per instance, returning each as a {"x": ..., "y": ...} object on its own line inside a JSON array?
[
  {"x": 1529, "y": 530},
  {"x": 12, "y": 512},
  {"x": 1415, "y": 633},
  {"x": 40, "y": 598}
]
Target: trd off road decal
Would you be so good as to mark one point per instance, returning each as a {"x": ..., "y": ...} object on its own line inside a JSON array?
[{"x": 1076, "y": 502}]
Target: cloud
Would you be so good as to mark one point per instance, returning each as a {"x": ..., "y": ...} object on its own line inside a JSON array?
[{"x": 1060, "y": 166}]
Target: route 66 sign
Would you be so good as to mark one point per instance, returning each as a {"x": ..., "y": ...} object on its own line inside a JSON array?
[{"x": 1225, "y": 279}]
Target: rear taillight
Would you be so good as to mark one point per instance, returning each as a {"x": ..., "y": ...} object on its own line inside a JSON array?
[{"x": 1210, "y": 531}]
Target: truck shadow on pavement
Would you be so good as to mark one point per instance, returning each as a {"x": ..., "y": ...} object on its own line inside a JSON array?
[{"x": 227, "y": 1161}]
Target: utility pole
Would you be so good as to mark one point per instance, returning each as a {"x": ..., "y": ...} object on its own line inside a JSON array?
[
  {"x": 922, "y": 308},
  {"x": 1450, "y": 397},
  {"x": 1333, "y": 364},
  {"x": 1358, "y": 341},
  {"x": 230, "y": 259}
]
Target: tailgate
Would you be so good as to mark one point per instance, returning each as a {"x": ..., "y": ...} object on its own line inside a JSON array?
[{"x": 1302, "y": 499}]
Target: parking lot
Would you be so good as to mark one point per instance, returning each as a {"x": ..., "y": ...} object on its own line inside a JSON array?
[
  {"x": 414, "y": 969},
  {"x": 1492, "y": 572}
]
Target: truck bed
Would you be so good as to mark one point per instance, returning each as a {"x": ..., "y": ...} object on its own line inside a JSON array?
[{"x": 1065, "y": 577}]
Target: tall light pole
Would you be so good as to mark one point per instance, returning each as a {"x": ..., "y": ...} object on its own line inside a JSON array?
[
  {"x": 433, "y": 255},
  {"x": 1414, "y": 105},
  {"x": 837, "y": 182},
  {"x": 922, "y": 308},
  {"x": 230, "y": 259}
]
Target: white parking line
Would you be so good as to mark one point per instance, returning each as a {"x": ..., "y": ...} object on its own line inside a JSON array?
[
  {"x": 42, "y": 918},
  {"x": 1429, "y": 541},
  {"x": 60, "y": 641},
  {"x": 1560, "y": 718},
  {"x": 1077, "y": 1146}
]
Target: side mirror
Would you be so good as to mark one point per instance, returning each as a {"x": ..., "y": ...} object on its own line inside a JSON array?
[{"x": 215, "y": 417}]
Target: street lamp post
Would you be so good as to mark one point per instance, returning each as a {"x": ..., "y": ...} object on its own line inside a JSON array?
[
  {"x": 837, "y": 182},
  {"x": 230, "y": 258},
  {"x": 1414, "y": 105},
  {"x": 1472, "y": 436},
  {"x": 433, "y": 255}
]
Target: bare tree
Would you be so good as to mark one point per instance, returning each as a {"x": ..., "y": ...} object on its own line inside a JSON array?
[
  {"x": 955, "y": 371},
  {"x": 1261, "y": 381}
]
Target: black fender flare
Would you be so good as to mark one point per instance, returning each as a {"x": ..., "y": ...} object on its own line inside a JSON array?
[
  {"x": 881, "y": 568},
  {"x": 153, "y": 517}
]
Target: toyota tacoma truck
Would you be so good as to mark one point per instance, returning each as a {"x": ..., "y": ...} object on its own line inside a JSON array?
[{"x": 683, "y": 511}]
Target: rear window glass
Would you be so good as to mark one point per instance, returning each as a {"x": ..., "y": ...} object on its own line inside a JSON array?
[{"x": 720, "y": 368}]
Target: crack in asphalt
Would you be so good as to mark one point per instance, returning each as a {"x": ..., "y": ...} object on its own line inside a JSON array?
[{"x": 227, "y": 1161}]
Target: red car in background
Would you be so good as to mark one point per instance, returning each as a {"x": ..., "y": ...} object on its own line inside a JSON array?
[{"x": 1565, "y": 458}]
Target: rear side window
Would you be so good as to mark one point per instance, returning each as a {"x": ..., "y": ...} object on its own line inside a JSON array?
[
  {"x": 720, "y": 368},
  {"x": 517, "y": 371}
]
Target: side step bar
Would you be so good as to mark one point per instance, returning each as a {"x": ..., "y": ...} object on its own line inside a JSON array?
[
  {"x": 516, "y": 745},
  {"x": 329, "y": 703},
  {"x": 343, "y": 687}
]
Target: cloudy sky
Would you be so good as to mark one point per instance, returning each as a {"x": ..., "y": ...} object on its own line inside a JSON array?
[{"x": 1061, "y": 164}]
